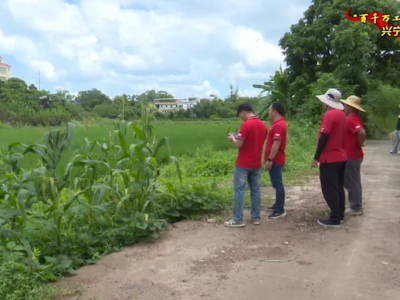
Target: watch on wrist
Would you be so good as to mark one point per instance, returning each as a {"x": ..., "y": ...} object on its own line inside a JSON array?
[{"x": 269, "y": 160}]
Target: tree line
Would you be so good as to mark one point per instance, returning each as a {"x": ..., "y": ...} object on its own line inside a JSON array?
[
  {"x": 23, "y": 104},
  {"x": 325, "y": 50},
  {"x": 322, "y": 50}
]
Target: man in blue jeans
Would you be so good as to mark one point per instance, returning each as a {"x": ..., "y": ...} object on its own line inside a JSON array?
[
  {"x": 275, "y": 157},
  {"x": 250, "y": 142}
]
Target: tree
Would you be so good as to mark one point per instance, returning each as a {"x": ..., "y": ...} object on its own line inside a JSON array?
[
  {"x": 324, "y": 41},
  {"x": 149, "y": 96},
  {"x": 233, "y": 94},
  {"x": 277, "y": 89},
  {"x": 203, "y": 109},
  {"x": 63, "y": 97},
  {"x": 383, "y": 101},
  {"x": 32, "y": 87},
  {"x": 325, "y": 50},
  {"x": 89, "y": 99}
]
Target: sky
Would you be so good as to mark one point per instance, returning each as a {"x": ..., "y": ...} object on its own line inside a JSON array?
[{"x": 185, "y": 47}]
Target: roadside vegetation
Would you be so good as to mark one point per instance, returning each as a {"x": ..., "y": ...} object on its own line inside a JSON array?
[
  {"x": 73, "y": 207},
  {"x": 86, "y": 175}
]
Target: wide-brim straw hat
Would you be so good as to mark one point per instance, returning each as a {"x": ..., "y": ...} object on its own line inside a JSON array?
[
  {"x": 353, "y": 101},
  {"x": 332, "y": 99}
]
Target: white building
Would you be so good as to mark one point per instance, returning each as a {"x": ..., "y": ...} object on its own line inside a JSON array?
[
  {"x": 5, "y": 70},
  {"x": 166, "y": 105}
]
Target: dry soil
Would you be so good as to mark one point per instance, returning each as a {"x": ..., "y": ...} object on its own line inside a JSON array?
[{"x": 292, "y": 258}]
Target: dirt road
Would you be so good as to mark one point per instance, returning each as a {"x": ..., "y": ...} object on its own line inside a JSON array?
[{"x": 199, "y": 260}]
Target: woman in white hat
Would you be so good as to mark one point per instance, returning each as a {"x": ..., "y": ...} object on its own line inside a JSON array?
[
  {"x": 355, "y": 138},
  {"x": 331, "y": 156}
]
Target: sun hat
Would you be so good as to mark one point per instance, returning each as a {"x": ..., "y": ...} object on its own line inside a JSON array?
[
  {"x": 332, "y": 98},
  {"x": 353, "y": 101}
]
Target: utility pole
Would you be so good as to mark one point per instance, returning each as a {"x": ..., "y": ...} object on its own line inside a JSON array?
[{"x": 39, "y": 73}]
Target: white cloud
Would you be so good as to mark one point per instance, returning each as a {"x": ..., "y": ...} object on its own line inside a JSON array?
[
  {"x": 195, "y": 47},
  {"x": 46, "y": 68},
  {"x": 254, "y": 48}
]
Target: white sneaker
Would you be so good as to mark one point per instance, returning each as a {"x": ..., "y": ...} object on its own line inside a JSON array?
[{"x": 352, "y": 212}]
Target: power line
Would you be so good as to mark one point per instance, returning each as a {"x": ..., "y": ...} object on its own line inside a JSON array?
[{"x": 39, "y": 73}]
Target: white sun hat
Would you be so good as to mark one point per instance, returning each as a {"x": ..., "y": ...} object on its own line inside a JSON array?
[{"x": 332, "y": 98}]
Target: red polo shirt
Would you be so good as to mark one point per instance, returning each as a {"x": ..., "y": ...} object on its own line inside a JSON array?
[
  {"x": 277, "y": 132},
  {"x": 334, "y": 124},
  {"x": 253, "y": 132},
  {"x": 353, "y": 149}
]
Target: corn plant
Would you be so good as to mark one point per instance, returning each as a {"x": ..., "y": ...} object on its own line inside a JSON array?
[
  {"x": 129, "y": 171},
  {"x": 109, "y": 195}
]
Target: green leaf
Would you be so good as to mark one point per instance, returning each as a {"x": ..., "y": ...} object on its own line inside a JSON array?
[
  {"x": 174, "y": 213},
  {"x": 142, "y": 225},
  {"x": 51, "y": 259},
  {"x": 122, "y": 141},
  {"x": 66, "y": 263},
  {"x": 76, "y": 196},
  {"x": 178, "y": 169},
  {"x": 154, "y": 235},
  {"x": 139, "y": 133},
  {"x": 260, "y": 86},
  {"x": 32, "y": 149},
  {"x": 19, "y": 248},
  {"x": 22, "y": 209},
  {"x": 11, "y": 245},
  {"x": 161, "y": 143}
]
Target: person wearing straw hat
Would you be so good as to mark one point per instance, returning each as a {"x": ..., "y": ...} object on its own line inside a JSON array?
[
  {"x": 331, "y": 156},
  {"x": 355, "y": 138}
]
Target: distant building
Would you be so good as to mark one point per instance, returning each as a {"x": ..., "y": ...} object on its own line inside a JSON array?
[
  {"x": 5, "y": 70},
  {"x": 166, "y": 105}
]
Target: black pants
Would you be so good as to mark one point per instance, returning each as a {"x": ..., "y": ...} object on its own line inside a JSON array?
[{"x": 331, "y": 176}]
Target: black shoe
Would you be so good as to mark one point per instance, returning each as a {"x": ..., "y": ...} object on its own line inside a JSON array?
[
  {"x": 276, "y": 215},
  {"x": 272, "y": 207},
  {"x": 328, "y": 223}
]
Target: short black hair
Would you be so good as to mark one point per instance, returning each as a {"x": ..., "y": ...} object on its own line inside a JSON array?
[
  {"x": 244, "y": 107},
  {"x": 279, "y": 107}
]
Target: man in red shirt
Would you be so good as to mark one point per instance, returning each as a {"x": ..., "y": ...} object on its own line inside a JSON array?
[
  {"x": 355, "y": 138},
  {"x": 275, "y": 157},
  {"x": 331, "y": 156},
  {"x": 250, "y": 142}
]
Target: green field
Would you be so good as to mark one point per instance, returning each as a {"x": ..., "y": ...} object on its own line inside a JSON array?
[{"x": 184, "y": 136}]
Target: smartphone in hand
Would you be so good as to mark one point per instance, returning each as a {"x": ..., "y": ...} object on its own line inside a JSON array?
[{"x": 232, "y": 133}]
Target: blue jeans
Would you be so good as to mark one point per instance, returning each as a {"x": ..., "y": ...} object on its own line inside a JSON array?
[
  {"x": 275, "y": 174},
  {"x": 253, "y": 177}
]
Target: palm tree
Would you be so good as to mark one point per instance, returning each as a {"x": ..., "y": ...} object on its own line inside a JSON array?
[{"x": 276, "y": 89}]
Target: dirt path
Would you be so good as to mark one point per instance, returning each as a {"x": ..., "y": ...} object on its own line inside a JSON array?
[{"x": 198, "y": 260}]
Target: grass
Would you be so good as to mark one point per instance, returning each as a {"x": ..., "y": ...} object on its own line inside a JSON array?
[{"x": 184, "y": 136}]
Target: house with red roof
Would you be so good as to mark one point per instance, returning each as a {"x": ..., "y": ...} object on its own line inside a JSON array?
[{"x": 5, "y": 70}]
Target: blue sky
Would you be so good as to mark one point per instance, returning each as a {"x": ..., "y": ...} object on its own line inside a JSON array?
[{"x": 188, "y": 48}]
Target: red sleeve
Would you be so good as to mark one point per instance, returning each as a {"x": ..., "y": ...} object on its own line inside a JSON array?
[
  {"x": 354, "y": 125},
  {"x": 278, "y": 132},
  {"x": 327, "y": 122},
  {"x": 242, "y": 134}
]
